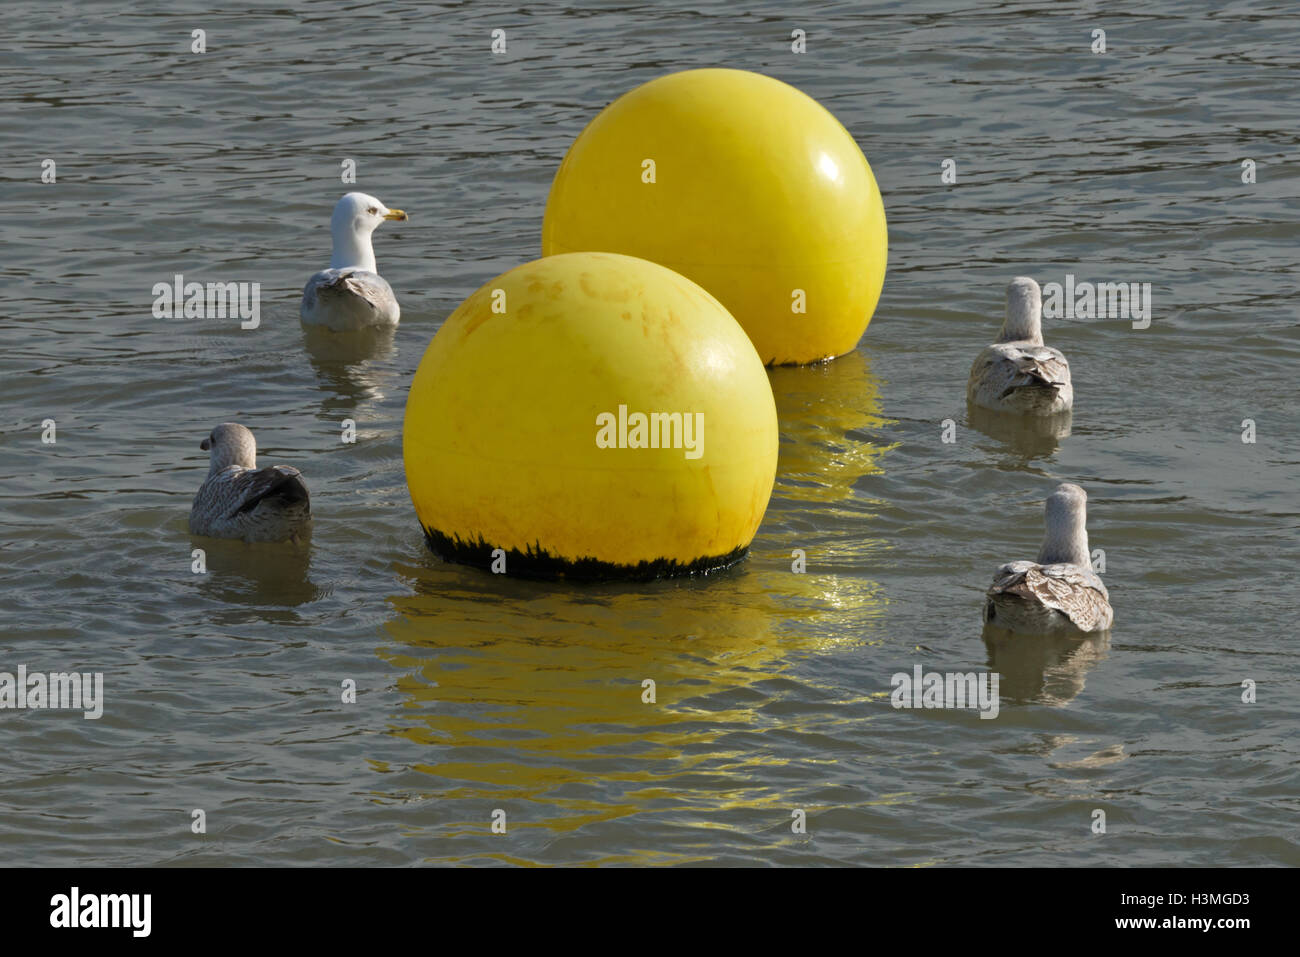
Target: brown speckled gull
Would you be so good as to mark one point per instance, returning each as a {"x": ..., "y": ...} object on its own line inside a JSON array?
[
  {"x": 239, "y": 500},
  {"x": 1059, "y": 592},
  {"x": 1018, "y": 373}
]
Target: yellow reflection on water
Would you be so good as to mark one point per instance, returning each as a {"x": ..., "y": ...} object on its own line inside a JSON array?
[
  {"x": 533, "y": 692},
  {"x": 829, "y": 414},
  {"x": 820, "y": 407}
]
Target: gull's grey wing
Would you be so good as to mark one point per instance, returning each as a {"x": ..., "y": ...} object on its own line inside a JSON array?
[
  {"x": 348, "y": 298},
  {"x": 1010, "y": 569},
  {"x": 1075, "y": 592},
  {"x": 263, "y": 505},
  {"x": 1001, "y": 369},
  {"x": 1041, "y": 364},
  {"x": 278, "y": 484}
]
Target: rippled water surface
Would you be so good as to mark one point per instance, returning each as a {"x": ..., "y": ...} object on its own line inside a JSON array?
[{"x": 477, "y": 692}]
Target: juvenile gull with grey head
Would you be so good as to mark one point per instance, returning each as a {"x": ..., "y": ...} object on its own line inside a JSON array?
[
  {"x": 1060, "y": 591},
  {"x": 239, "y": 500},
  {"x": 1018, "y": 373}
]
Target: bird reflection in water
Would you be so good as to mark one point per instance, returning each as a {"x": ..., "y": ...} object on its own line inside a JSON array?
[
  {"x": 351, "y": 364},
  {"x": 1043, "y": 669},
  {"x": 269, "y": 574},
  {"x": 1029, "y": 436}
]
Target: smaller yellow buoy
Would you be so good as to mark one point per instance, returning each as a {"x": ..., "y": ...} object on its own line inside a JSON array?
[
  {"x": 590, "y": 416},
  {"x": 743, "y": 184}
]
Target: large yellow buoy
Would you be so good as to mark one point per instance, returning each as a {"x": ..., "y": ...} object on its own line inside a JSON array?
[
  {"x": 744, "y": 184},
  {"x": 590, "y": 416}
]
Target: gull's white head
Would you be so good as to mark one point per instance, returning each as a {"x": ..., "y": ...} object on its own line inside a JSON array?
[
  {"x": 230, "y": 444},
  {"x": 1024, "y": 322},
  {"x": 355, "y": 217},
  {"x": 1066, "y": 538}
]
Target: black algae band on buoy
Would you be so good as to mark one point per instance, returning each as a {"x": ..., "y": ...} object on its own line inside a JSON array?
[{"x": 537, "y": 563}]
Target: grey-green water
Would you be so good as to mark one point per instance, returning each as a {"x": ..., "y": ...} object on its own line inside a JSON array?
[{"x": 478, "y": 692}]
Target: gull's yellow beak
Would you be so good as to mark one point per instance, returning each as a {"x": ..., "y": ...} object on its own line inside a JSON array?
[{"x": 395, "y": 214}]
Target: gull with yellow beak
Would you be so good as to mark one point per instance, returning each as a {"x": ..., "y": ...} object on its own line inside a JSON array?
[{"x": 351, "y": 294}]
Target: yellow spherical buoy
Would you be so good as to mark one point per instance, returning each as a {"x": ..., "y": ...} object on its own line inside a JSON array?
[
  {"x": 590, "y": 416},
  {"x": 743, "y": 184}
]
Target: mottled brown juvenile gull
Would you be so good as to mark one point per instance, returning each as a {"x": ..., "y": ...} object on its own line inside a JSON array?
[
  {"x": 351, "y": 294},
  {"x": 239, "y": 500},
  {"x": 1060, "y": 591},
  {"x": 1018, "y": 373}
]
